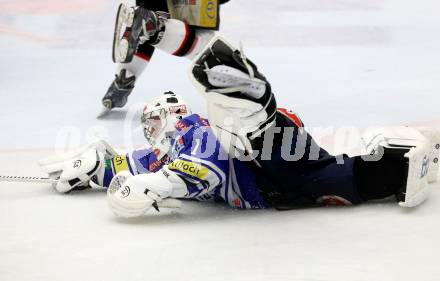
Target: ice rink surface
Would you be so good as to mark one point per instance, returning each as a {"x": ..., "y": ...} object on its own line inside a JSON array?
[{"x": 338, "y": 63}]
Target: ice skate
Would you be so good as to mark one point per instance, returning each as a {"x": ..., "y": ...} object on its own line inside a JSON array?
[
  {"x": 133, "y": 26},
  {"x": 118, "y": 92}
]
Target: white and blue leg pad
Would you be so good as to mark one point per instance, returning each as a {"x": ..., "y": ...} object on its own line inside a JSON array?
[{"x": 419, "y": 154}]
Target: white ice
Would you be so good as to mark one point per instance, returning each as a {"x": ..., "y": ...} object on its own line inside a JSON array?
[{"x": 337, "y": 63}]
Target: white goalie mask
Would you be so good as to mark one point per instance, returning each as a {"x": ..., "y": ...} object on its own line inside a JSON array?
[{"x": 159, "y": 120}]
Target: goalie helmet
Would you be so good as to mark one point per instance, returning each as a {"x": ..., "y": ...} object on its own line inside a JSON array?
[{"x": 159, "y": 119}]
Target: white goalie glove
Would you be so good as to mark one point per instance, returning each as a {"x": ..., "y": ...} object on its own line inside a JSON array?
[
  {"x": 79, "y": 169},
  {"x": 132, "y": 196}
]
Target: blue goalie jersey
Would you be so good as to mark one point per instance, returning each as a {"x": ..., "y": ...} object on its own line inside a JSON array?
[{"x": 209, "y": 173}]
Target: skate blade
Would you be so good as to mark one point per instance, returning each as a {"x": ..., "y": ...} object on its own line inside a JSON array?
[
  {"x": 105, "y": 111},
  {"x": 107, "y": 107}
]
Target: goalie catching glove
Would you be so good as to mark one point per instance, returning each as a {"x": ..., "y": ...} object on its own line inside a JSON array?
[{"x": 132, "y": 196}]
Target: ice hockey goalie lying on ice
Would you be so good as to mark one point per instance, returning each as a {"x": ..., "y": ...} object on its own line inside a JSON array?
[{"x": 242, "y": 155}]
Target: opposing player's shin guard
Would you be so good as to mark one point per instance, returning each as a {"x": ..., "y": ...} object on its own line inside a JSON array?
[
  {"x": 419, "y": 159},
  {"x": 241, "y": 105}
]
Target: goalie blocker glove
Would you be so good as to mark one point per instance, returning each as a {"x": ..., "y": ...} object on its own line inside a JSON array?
[
  {"x": 77, "y": 172},
  {"x": 80, "y": 169}
]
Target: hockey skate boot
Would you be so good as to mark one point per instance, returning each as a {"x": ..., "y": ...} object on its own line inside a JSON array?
[
  {"x": 119, "y": 91},
  {"x": 134, "y": 26}
]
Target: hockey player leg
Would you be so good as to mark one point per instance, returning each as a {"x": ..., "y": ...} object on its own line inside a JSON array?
[
  {"x": 124, "y": 19},
  {"x": 182, "y": 40},
  {"x": 240, "y": 101},
  {"x": 118, "y": 92},
  {"x": 135, "y": 26},
  {"x": 126, "y": 76}
]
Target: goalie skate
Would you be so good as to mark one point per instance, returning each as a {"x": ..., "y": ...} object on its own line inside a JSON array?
[
  {"x": 423, "y": 163},
  {"x": 124, "y": 23}
]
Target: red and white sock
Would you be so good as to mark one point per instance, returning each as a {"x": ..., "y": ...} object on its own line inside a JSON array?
[{"x": 182, "y": 40}]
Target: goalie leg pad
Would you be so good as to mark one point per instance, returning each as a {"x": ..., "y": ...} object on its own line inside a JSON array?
[
  {"x": 240, "y": 100},
  {"x": 417, "y": 151},
  {"x": 434, "y": 138},
  {"x": 226, "y": 78},
  {"x": 417, "y": 183}
]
